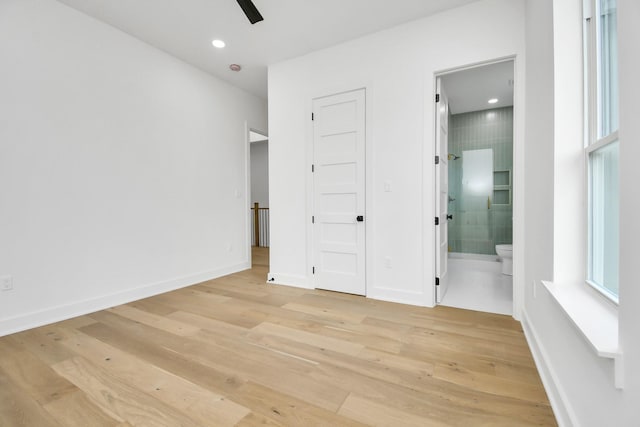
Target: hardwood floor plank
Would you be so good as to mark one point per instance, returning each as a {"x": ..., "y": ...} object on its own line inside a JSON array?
[
  {"x": 152, "y": 305},
  {"x": 209, "y": 305},
  {"x": 305, "y": 337},
  {"x": 326, "y": 313},
  {"x": 76, "y": 410},
  {"x": 236, "y": 360},
  {"x": 160, "y": 322},
  {"x": 201, "y": 405},
  {"x": 371, "y": 337},
  {"x": 360, "y": 367},
  {"x": 450, "y": 404},
  {"x": 118, "y": 399},
  {"x": 255, "y": 420},
  {"x": 491, "y": 384},
  {"x": 447, "y": 343},
  {"x": 393, "y": 361},
  {"x": 149, "y": 347},
  {"x": 242, "y": 292},
  {"x": 42, "y": 342},
  {"x": 76, "y": 322},
  {"x": 375, "y": 414},
  {"x": 283, "y": 371},
  {"x": 285, "y": 409},
  {"x": 32, "y": 375},
  {"x": 208, "y": 324},
  {"x": 18, "y": 408}
]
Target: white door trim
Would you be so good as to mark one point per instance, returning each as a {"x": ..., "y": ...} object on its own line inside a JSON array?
[
  {"x": 247, "y": 189},
  {"x": 441, "y": 206}
]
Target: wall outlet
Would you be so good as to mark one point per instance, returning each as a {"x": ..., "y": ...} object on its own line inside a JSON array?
[{"x": 6, "y": 283}]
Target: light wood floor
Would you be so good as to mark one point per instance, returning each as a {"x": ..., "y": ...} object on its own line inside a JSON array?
[{"x": 235, "y": 351}]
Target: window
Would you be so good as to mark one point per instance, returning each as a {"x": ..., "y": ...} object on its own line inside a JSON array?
[{"x": 601, "y": 144}]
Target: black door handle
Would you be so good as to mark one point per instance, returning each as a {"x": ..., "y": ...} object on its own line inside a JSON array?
[
  {"x": 450, "y": 216},
  {"x": 360, "y": 218}
]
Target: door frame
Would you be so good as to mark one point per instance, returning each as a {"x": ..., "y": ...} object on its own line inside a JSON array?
[
  {"x": 368, "y": 190},
  {"x": 518, "y": 179},
  {"x": 441, "y": 282},
  {"x": 247, "y": 189}
]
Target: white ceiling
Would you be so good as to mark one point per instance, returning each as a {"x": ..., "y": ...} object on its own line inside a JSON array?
[
  {"x": 470, "y": 89},
  {"x": 185, "y": 28}
]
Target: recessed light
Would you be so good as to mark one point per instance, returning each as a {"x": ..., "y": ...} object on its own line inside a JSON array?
[
  {"x": 218, "y": 43},
  {"x": 493, "y": 100},
  {"x": 235, "y": 67}
]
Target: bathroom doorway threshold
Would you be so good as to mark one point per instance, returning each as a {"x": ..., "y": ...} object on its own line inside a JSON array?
[{"x": 479, "y": 285}]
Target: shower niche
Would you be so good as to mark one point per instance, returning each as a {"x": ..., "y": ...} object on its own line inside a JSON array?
[{"x": 502, "y": 187}]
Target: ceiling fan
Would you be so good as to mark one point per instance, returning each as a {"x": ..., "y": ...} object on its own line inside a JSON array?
[{"x": 250, "y": 10}]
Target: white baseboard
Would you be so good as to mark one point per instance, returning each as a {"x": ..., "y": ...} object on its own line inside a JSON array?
[
  {"x": 78, "y": 308},
  {"x": 289, "y": 280},
  {"x": 557, "y": 397}
]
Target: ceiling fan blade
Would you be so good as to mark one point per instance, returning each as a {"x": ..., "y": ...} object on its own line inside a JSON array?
[{"x": 250, "y": 10}]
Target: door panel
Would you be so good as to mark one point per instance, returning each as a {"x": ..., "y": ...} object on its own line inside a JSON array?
[
  {"x": 442, "y": 191},
  {"x": 338, "y": 192}
]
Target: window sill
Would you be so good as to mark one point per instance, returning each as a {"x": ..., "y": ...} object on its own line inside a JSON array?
[{"x": 597, "y": 321}]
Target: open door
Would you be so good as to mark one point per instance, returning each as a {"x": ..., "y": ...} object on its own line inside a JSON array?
[{"x": 442, "y": 190}]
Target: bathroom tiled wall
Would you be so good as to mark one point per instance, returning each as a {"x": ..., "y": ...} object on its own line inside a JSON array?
[{"x": 479, "y": 231}]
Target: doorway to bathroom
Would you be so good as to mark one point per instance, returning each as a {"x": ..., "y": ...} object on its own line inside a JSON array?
[{"x": 475, "y": 202}]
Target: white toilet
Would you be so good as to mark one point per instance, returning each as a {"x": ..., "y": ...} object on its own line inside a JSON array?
[{"x": 505, "y": 252}]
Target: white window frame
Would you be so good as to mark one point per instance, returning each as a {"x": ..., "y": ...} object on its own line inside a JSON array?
[{"x": 592, "y": 117}]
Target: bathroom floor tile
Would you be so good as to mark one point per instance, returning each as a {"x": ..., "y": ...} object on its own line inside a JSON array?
[{"x": 480, "y": 286}]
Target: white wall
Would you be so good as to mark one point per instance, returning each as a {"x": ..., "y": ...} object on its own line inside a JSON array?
[
  {"x": 260, "y": 173},
  {"x": 397, "y": 67},
  {"x": 119, "y": 167},
  {"x": 579, "y": 383},
  {"x": 629, "y": 312}
]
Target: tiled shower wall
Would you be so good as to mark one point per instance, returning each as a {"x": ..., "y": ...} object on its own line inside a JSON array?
[{"x": 479, "y": 232}]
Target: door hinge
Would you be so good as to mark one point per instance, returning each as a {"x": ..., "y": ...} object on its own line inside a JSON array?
[
  {"x": 437, "y": 281},
  {"x": 313, "y": 168},
  {"x": 313, "y": 270},
  {"x": 437, "y": 160},
  {"x": 312, "y": 116},
  {"x": 313, "y": 219},
  {"x": 437, "y": 220},
  {"x": 437, "y": 97}
]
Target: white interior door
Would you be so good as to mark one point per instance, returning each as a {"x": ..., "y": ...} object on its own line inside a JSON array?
[
  {"x": 442, "y": 191},
  {"x": 339, "y": 192}
]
